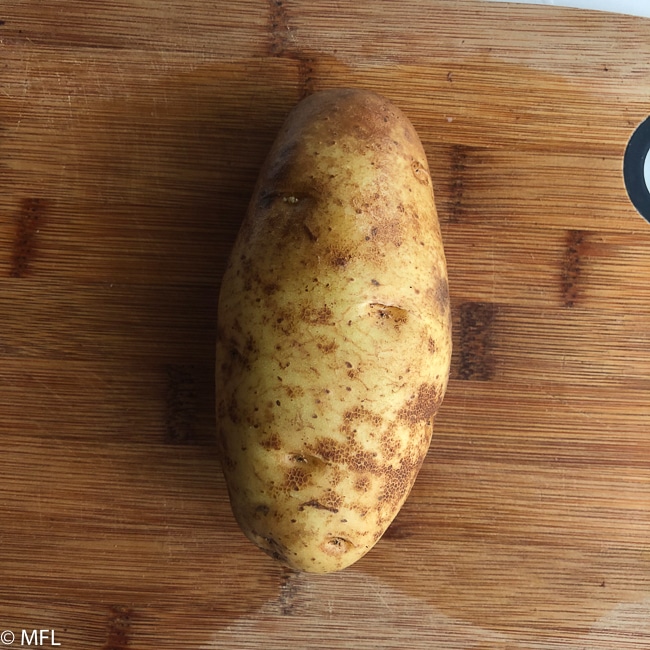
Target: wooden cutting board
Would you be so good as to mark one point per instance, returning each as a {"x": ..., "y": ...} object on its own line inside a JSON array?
[{"x": 130, "y": 138}]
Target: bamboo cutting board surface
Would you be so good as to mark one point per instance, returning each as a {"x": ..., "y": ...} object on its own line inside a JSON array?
[{"x": 130, "y": 138}]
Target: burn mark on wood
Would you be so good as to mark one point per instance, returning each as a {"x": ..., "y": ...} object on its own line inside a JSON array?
[
  {"x": 280, "y": 30},
  {"x": 306, "y": 76},
  {"x": 181, "y": 405},
  {"x": 398, "y": 531},
  {"x": 281, "y": 44},
  {"x": 572, "y": 266},
  {"x": 117, "y": 629},
  {"x": 476, "y": 324},
  {"x": 458, "y": 167},
  {"x": 30, "y": 217}
]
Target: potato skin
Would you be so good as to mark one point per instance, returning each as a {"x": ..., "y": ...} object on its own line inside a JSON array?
[{"x": 334, "y": 333}]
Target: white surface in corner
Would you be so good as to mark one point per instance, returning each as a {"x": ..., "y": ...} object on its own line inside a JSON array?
[
  {"x": 631, "y": 7},
  {"x": 646, "y": 170}
]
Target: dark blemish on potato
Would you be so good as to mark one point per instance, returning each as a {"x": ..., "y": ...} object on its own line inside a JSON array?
[
  {"x": 250, "y": 345},
  {"x": 327, "y": 347},
  {"x": 440, "y": 295},
  {"x": 422, "y": 406},
  {"x": 337, "y": 546},
  {"x": 340, "y": 260},
  {"x": 362, "y": 484},
  {"x": 233, "y": 410},
  {"x": 316, "y": 315},
  {"x": 293, "y": 391},
  {"x": 310, "y": 233},
  {"x": 270, "y": 546},
  {"x": 296, "y": 479},
  {"x": 262, "y": 509},
  {"x": 420, "y": 172},
  {"x": 476, "y": 324},
  {"x": 431, "y": 346},
  {"x": 374, "y": 282},
  {"x": 271, "y": 442},
  {"x": 29, "y": 221},
  {"x": 270, "y": 288},
  {"x": 396, "y": 479},
  {"x": 392, "y": 313},
  {"x": 266, "y": 199},
  {"x": 318, "y": 505}
]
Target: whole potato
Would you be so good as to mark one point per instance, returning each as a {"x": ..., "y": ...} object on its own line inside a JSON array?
[{"x": 334, "y": 333}]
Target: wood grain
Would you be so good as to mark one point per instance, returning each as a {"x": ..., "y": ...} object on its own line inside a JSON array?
[{"x": 130, "y": 138}]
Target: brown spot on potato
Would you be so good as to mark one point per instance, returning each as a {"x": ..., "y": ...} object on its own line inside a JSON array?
[
  {"x": 339, "y": 259},
  {"x": 440, "y": 294},
  {"x": 310, "y": 233},
  {"x": 317, "y": 315},
  {"x": 270, "y": 546},
  {"x": 327, "y": 346},
  {"x": 423, "y": 406},
  {"x": 296, "y": 479},
  {"x": 293, "y": 391},
  {"x": 420, "y": 172},
  {"x": 337, "y": 546},
  {"x": 350, "y": 454},
  {"x": 389, "y": 313},
  {"x": 272, "y": 442},
  {"x": 233, "y": 410},
  {"x": 389, "y": 445},
  {"x": 313, "y": 503},
  {"x": 362, "y": 484},
  {"x": 270, "y": 288}
]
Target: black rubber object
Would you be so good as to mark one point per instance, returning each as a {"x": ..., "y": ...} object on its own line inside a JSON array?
[{"x": 633, "y": 169}]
